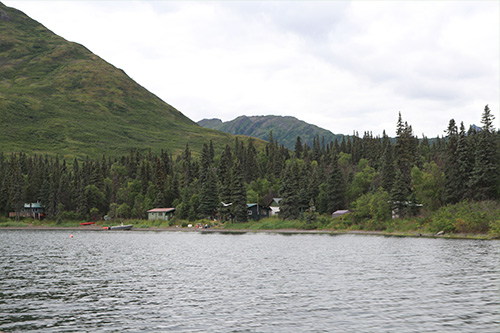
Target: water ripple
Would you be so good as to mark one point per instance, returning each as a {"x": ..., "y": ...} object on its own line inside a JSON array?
[{"x": 193, "y": 282}]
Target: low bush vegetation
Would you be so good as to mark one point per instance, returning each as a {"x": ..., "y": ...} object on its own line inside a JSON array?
[
  {"x": 467, "y": 217},
  {"x": 17, "y": 224}
]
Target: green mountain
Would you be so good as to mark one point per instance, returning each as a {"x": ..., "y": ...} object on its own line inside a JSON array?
[
  {"x": 57, "y": 97},
  {"x": 285, "y": 129}
]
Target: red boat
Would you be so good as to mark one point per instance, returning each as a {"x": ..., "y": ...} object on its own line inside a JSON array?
[{"x": 87, "y": 223}]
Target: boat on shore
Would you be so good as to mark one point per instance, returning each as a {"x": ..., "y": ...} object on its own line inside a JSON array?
[
  {"x": 87, "y": 223},
  {"x": 119, "y": 227}
]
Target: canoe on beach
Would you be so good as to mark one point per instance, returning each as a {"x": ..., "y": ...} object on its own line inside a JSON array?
[{"x": 119, "y": 227}]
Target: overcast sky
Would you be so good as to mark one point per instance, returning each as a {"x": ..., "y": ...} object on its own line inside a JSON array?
[{"x": 342, "y": 65}]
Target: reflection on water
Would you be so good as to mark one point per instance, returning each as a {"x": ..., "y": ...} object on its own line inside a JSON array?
[{"x": 161, "y": 281}]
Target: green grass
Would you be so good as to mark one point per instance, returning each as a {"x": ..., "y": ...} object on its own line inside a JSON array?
[
  {"x": 272, "y": 223},
  {"x": 14, "y": 224},
  {"x": 152, "y": 223},
  {"x": 401, "y": 228}
]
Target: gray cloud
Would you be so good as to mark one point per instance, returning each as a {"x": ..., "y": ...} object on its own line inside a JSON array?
[{"x": 341, "y": 65}]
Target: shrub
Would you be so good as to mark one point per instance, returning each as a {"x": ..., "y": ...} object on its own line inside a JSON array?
[
  {"x": 69, "y": 215},
  {"x": 495, "y": 228},
  {"x": 341, "y": 223},
  {"x": 323, "y": 220},
  {"x": 442, "y": 223},
  {"x": 405, "y": 225},
  {"x": 465, "y": 217},
  {"x": 310, "y": 221},
  {"x": 373, "y": 210},
  {"x": 374, "y": 224}
]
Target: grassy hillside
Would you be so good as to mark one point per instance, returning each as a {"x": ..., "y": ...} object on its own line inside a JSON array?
[
  {"x": 57, "y": 97},
  {"x": 285, "y": 129}
]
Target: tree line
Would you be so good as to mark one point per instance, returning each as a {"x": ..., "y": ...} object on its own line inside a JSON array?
[{"x": 372, "y": 176}]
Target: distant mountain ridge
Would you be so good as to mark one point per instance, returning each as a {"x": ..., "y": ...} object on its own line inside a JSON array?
[
  {"x": 285, "y": 129},
  {"x": 57, "y": 97}
]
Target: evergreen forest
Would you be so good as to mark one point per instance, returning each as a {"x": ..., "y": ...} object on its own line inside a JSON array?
[{"x": 449, "y": 183}]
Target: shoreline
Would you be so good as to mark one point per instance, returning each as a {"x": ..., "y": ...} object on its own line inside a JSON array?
[{"x": 331, "y": 232}]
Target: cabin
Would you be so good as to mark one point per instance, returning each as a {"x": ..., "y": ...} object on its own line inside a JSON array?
[
  {"x": 34, "y": 210},
  {"x": 258, "y": 212},
  {"x": 397, "y": 205},
  {"x": 161, "y": 214},
  {"x": 274, "y": 205},
  {"x": 339, "y": 213}
]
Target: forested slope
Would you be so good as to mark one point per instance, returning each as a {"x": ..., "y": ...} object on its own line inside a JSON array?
[
  {"x": 284, "y": 129},
  {"x": 451, "y": 184}
]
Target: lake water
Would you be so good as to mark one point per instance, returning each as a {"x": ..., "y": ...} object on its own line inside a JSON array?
[{"x": 194, "y": 282}]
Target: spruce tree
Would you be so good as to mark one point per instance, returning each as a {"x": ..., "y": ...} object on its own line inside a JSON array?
[
  {"x": 314, "y": 183},
  {"x": 238, "y": 194},
  {"x": 172, "y": 192},
  {"x": 298, "y": 147},
  {"x": 399, "y": 195},
  {"x": 208, "y": 197},
  {"x": 251, "y": 165},
  {"x": 387, "y": 169},
  {"x": 194, "y": 203},
  {"x": 336, "y": 147},
  {"x": 206, "y": 162},
  {"x": 453, "y": 182},
  {"x": 425, "y": 150},
  {"x": 316, "y": 153},
  {"x": 159, "y": 200},
  {"x": 16, "y": 186},
  {"x": 405, "y": 152},
  {"x": 187, "y": 172},
  {"x": 465, "y": 162},
  {"x": 64, "y": 197},
  {"x": 274, "y": 166},
  {"x": 289, "y": 191},
  {"x": 224, "y": 175},
  {"x": 343, "y": 145},
  {"x": 336, "y": 188},
  {"x": 159, "y": 176},
  {"x": 485, "y": 174},
  {"x": 211, "y": 151},
  {"x": 83, "y": 208},
  {"x": 4, "y": 194},
  {"x": 31, "y": 186}
]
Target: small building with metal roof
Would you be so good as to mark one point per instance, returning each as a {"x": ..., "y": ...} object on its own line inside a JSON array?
[{"x": 161, "y": 213}]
